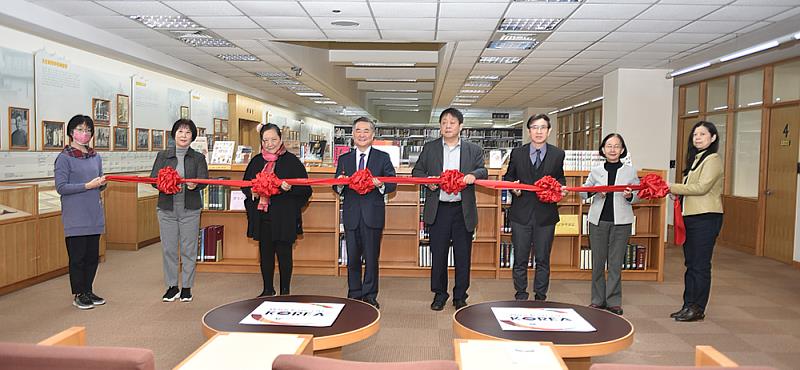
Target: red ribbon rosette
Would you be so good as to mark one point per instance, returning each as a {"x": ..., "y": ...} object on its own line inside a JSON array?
[
  {"x": 266, "y": 185},
  {"x": 452, "y": 181},
  {"x": 551, "y": 190},
  {"x": 653, "y": 187},
  {"x": 361, "y": 181},
  {"x": 168, "y": 180}
]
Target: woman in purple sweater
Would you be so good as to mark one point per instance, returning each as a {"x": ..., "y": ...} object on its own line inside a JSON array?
[{"x": 79, "y": 180}]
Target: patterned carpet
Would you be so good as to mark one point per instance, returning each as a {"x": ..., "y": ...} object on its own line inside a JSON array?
[{"x": 753, "y": 316}]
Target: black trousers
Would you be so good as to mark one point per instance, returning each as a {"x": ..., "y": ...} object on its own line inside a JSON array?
[
  {"x": 701, "y": 235},
  {"x": 83, "y": 252},
  {"x": 267, "y": 249},
  {"x": 449, "y": 225},
  {"x": 522, "y": 235},
  {"x": 363, "y": 241}
]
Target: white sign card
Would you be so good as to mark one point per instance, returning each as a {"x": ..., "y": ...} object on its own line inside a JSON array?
[
  {"x": 294, "y": 314},
  {"x": 541, "y": 319},
  {"x": 237, "y": 200},
  {"x": 223, "y": 152}
]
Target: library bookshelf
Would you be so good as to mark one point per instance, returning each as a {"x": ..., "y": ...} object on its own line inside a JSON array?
[{"x": 317, "y": 251}]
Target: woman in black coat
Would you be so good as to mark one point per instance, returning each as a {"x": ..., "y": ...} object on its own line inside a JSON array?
[{"x": 275, "y": 221}]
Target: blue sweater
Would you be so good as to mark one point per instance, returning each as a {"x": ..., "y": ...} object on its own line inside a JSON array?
[{"x": 81, "y": 209}]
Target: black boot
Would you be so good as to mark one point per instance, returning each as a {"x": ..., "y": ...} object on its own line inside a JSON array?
[{"x": 694, "y": 313}]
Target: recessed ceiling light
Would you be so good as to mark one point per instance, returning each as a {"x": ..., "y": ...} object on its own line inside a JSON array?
[
  {"x": 500, "y": 60},
  {"x": 285, "y": 82},
  {"x": 484, "y": 77},
  {"x": 461, "y": 104},
  {"x": 396, "y": 90},
  {"x": 516, "y": 45},
  {"x": 403, "y": 110},
  {"x": 345, "y": 23},
  {"x": 388, "y": 98},
  {"x": 478, "y": 84},
  {"x": 467, "y": 97},
  {"x": 468, "y": 91},
  {"x": 529, "y": 24},
  {"x": 303, "y": 93},
  {"x": 519, "y": 37},
  {"x": 272, "y": 75},
  {"x": 167, "y": 22},
  {"x": 238, "y": 57},
  {"x": 329, "y": 102},
  {"x": 400, "y": 105},
  {"x": 198, "y": 39},
  {"x": 363, "y": 64},
  {"x": 391, "y": 80}
]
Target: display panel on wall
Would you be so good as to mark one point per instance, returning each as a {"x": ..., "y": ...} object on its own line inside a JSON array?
[
  {"x": 53, "y": 136},
  {"x": 123, "y": 110},
  {"x": 157, "y": 139},
  {"x": 102, "y": 138},
  {"x": 101, "y": 111},
  {"x": 18, "y": 127},
  {"x": 120, "y": 138},
  {"x": 142, "y": 139}
]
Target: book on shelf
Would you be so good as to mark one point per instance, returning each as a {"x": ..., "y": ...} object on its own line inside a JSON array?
[
  {"x": 635, "y": 258},
  {"x": 223, "y": 152},
  {"x": 243, "y": 154},
  {"x": 216, "y": 197},
  {"x": 210, "y": 242}
]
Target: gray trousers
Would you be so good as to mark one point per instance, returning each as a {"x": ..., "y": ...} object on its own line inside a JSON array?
[
  {"x": 542, "y": 238},
  {"x": 608, "y": 243},
  {"x": 179, "y": 229}
]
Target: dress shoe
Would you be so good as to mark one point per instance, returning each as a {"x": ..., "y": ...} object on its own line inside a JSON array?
[
  {"x": 521, "y": 296},
  {"x": 266, "y": 293},
  {"x": 437, "y": 305},
  {"x": 540, "y": 297},
  {"x": 458, "y": 303},
  {"x": 617, "y": 310},
  {"x": 597, "y": 306},
  {"x": 372, "y": 301},
  {"x": 694, "y": 313},
  {"x": 680, "y": 312}
]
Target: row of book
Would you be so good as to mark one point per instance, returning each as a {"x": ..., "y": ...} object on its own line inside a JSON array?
[
  {"x": 507, "y": 255},
  {"x": 343, "y": 252},
  {"x": 210, "y": 242},
  {"x": 506, "y": 196},
  {"x": 635, "y": 258},
  {"x": 216, "y": 197},
  {"x": 425, "y": 257}
]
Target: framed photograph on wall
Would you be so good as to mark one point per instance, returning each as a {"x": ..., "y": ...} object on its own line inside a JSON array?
[
  {"x": 157, "y": 139},
  {"x": 101, "y": 111},
  {"x": 123, "y": 110},
  {"x": 121, "y": 138},
  {"x": 184, "y": 112},
  {"x": 201, "y": 131},
  {"x": 18, "y": 129},
  {"x": 102, "y": 138},
  {"x": 53, "y": 135},
  {"x": 142, "y": 139}
]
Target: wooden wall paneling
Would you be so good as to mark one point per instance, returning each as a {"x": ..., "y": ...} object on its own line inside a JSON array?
[
  {"x": 561, "y": 254},
  {"x": 316, "y": 249},
  {"x": 121, "y": 231},
  {"x": 483, "y": 255},
  {"x": 401, "y": 220},
  {"x": 318, "y": 217},
  {"x": 487, "y": 227},
  {"x": 399, "y": 251},
  {"x": 18, "y": 256},
  {"x": 738, "y": 227},
  {"x": 405, "y": 194},
  {"x": 147, "y": 228},
  {"x": 51, "y": 249}
]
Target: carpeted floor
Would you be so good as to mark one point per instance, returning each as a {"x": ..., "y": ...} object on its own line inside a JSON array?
[{"x": 753, "y": 316}]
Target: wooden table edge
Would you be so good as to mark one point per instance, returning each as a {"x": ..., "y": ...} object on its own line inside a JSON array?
[{"x": 305, "y": 348}]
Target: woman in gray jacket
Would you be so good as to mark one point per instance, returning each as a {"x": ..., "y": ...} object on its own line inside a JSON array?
[
  {"x": 610, "y": 223},
  {"x": 179, "y": 213}
]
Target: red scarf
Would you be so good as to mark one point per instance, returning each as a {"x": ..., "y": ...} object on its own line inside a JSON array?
[{"x": 269, "y": 167}]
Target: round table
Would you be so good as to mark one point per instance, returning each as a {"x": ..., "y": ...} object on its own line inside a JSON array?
[
  {"x": 614, "y": 333},
  {"x": 356, "y": 322}
]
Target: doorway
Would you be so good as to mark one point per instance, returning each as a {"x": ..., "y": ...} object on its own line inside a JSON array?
[{"x": 781, "y": 189}]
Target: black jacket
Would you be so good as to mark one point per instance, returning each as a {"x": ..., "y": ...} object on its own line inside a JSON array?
[
  {"x": 520, "y": 168},
  {"x": 194, "y": 167},
  {"x": 285, "y": 207},
  {"x": 370, "y": 207}
]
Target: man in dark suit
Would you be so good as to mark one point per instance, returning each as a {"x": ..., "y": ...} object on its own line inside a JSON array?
[
  {"x": 532, "y": 220},
  {"x": 452, "y": 217},
  {"x": 364, "y": 214}
]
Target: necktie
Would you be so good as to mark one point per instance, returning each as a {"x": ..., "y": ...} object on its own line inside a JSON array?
[
  {"x": 361, "y": 162},
  {"x": 538, "y": 160}
]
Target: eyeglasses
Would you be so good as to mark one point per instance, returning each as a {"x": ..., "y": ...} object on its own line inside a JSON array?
[
  {"x": 539, "y": 128},
  {"x": 83, "y": 130},
  {"x": 613, "y": 146}
]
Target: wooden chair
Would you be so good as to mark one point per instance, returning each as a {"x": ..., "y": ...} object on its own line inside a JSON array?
[
  {"x": 706, "y": 357},
  {"x": 74, "y": 336}
]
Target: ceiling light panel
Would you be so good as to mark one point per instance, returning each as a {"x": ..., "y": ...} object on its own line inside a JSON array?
[
  {"x": 518, "y": 45},
  {"x": 529, "y": 24},
  {"x": 285, "y": 82},
  {"x": 478, "y": 84},
  {"x": 310, "y": 93},
  {"x": 238, "y": 57},
  {"x": 205, "y": 41},
  {"x": 500, "y": 60},
  {"x": 485, "y": 77},
  {"x": 474, "y": 91},
  {"x": 167, "y": 22}
]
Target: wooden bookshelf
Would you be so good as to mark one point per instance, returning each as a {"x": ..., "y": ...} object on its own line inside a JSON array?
[
  {"x": 317, "y": 251},
  {"x": 132, "y": 222}
]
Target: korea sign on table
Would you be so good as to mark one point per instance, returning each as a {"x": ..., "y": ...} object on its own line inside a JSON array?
[
  {"x": 294, "y": 314},
  {"x": 541, "y": 319}
]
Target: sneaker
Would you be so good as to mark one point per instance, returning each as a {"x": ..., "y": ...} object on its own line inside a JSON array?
[
  {"x": 96, "y": 300},
  {"x": 82, "y": 301},
  {"x": 186, "y": 294},
  {"x": 171, "y": 294}
]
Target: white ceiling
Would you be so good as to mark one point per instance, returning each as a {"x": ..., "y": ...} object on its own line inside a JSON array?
[{"x": 595, "y": 37}]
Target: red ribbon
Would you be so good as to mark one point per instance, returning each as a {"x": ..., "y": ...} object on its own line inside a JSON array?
[
  {"x": 653, "y": 186},
  {"x": 266, "y": 184},
  {"x": 168, "y": 181},
  {"x": 677, "y": 223},
  {"x": 452, "y": 181},
  {"x": 361, "y": 181}
]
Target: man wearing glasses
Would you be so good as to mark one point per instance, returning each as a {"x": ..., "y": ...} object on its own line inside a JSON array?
[{"x": 532, "y": 220}]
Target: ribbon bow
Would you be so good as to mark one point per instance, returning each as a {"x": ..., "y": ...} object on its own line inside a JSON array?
[
  {"x": 551, "y": 190},
  {"x": 361, "y": 181},
  {"x": 452, "y": 181},
  {"x": 266, "y": 185},
  {"x": 168, "y": 180}
]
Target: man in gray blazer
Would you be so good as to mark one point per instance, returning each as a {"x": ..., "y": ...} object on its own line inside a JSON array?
[{"x": 451, "y": 217}]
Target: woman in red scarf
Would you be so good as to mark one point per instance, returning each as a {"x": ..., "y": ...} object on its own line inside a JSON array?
[{"x": 275, "y": 221}]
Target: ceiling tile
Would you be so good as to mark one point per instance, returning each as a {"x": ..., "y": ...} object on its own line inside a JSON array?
[
  {"x": 787, "y": 14},
  {"x": 293, "y": 34},
  {"x": 715, "y": 26},
  {"x": 459, "y": 10},
  {"x": 241, "y": 34},
  {"x": 576, "y": 36},
  {"x": 70, "y": 8},
  {"x": 689, "y": 38},
  {"x": 539, "y": 10},
  {"x": 408, "y": 35},
  {"x": 225, "y": 22},
  {"x": 652, "y": 26},
  {"x": 463, "y": 35},
  {"x": 109, "y": 21},
  {"x": 602, "y": 54},
  {"x": 745, "y": 13},
  {"x": 285, "y": 22},
  {"x": 138, "y": 7},
  {"x": 589, "y": 25},
  {"x": 467, "y": 24},
  {"x": 676, "y": 12},
  {"x": 553, "y": 53},
  {"x": 362, "y": 34},
  {"x": 665, "y": 46},
  {"x": 471, "y": 45},
  {"x": 135, "y": 33},
  {"x": 761, "y": 2},
  {"x": 158, "y": 41},
  {"x": 610, "y": 46},
  {"x": 618, "y": 36},
  {"x": 403, "y": 9},
  {"x": 560, "y": 45},
  {"x": 270, "y": 8},
  {"x": 209, "y": 8},
  {"x": 596, "y": 62},
  {"x": 415, "y": 24},
  {"x": 346, "y": 9},
  {"x": 364, "y": 23},
  {"x": 608, "y": 11}
]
